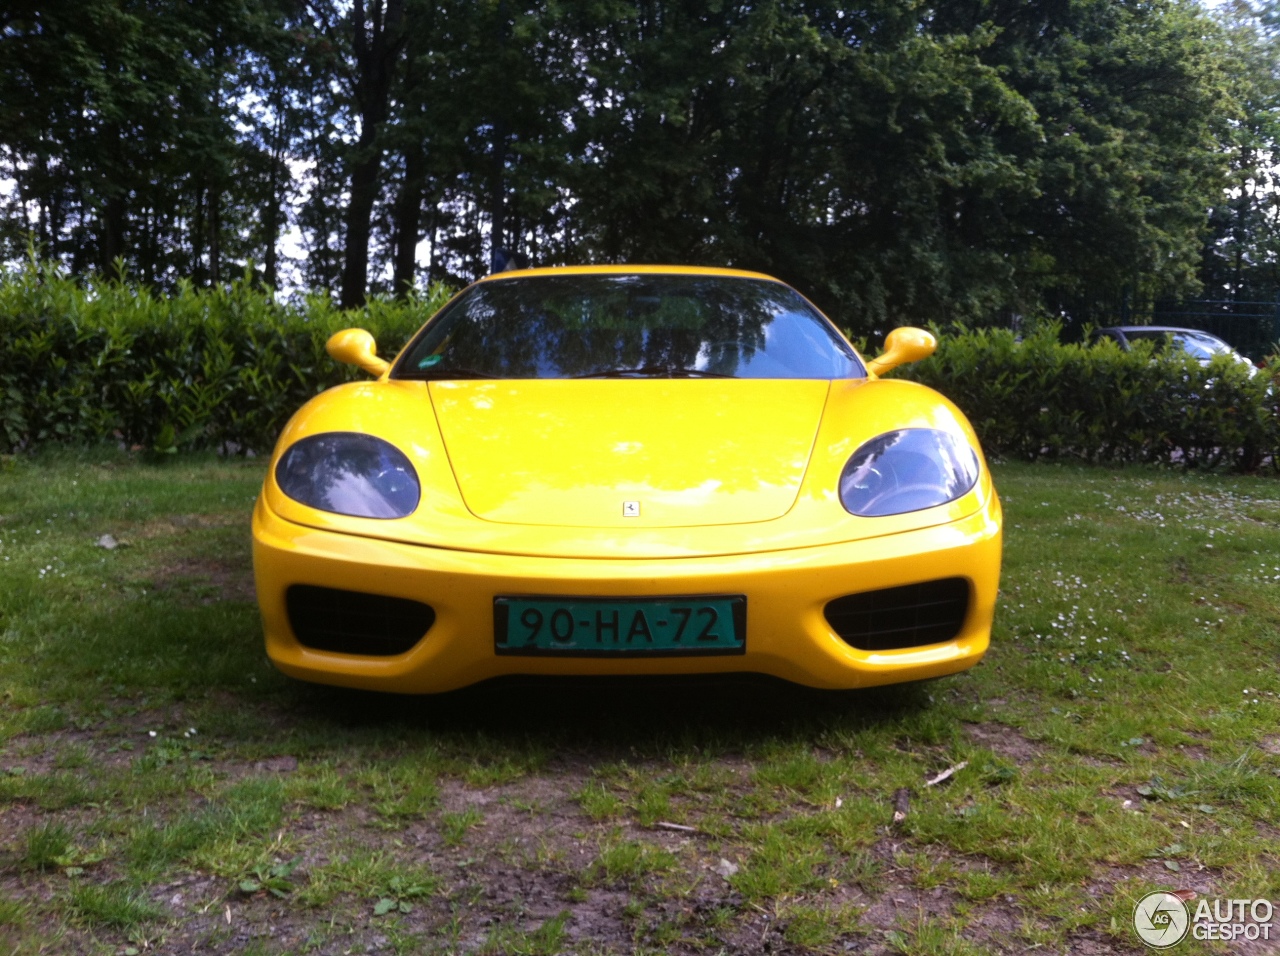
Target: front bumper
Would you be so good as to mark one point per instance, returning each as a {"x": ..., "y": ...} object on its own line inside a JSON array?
[{"x": 787, "y": 633}]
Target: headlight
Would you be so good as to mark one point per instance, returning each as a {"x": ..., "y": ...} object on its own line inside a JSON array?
[
  {"x": 907, "y": 470},
  {"x": 349, "y": 474}
]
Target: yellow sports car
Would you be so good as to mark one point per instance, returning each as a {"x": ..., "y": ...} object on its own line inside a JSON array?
[{"x": 626, "y": 470}]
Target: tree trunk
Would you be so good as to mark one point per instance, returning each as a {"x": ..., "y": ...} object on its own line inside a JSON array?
[
  {"x": 435, "y": 272},
  {"x": 147, "y": 246},
  {"x": 498, "y": 181},
  {"x": 111, "y": 245},
  {"x": 355, "y": 268},
  {"x": 1240, "y": 230},
  {"x": 197, "y": 238},
  {"x": 408, "y": 213},
  {"x": 215, "y": 236},
  {"x": 270, "y": 265},
  {"x": 271, "y": 218},
  {"x": 376, "y": 53},
  {"x": 498, "y": 195}
]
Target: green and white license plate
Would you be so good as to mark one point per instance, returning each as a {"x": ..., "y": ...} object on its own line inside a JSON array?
[{"x": 591, "y": 627}]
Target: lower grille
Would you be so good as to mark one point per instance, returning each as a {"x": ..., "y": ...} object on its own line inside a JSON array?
[
  {"x": 352, "y": 622},
  {"x": 895, "y": 618}
]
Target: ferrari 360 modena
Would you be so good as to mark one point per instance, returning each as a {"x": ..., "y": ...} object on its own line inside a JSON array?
[{"x": 626, "y": 470}]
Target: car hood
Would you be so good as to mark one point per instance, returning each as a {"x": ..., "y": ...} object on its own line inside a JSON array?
[
  {"x": 652, "y": 453},
  {"x": 718, "y": 466}
]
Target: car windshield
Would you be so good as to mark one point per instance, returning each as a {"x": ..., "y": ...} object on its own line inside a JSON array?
[
  {"x": 629, "y": 326},
  {"x": 1200, "y": 346}
]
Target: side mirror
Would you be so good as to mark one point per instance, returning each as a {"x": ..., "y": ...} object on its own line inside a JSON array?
[
  {"x": 901, "y": 346},
  {"x": 356, "y": 347}
]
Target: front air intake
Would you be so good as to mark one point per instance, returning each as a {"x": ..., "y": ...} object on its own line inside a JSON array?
[
  {"x": 352, "y": 622},
  {"x": 897, "y": 618}
]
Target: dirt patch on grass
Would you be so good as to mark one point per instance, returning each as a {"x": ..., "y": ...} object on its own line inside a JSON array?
[
  {"x": 1194, "y": 751},
  {"x": 177, "y": 524},
  {"x": 66, "y": 750},
  {"x": 1003, "y": 742},
  {"x": 207, "y": 580}
]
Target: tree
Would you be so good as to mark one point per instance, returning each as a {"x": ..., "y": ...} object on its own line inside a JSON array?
[
  {"x": 375, "y": 34},
  {"x": 899, "y": 160},
  {"x": 808, "y": 141},
  {"x": 120, "y": 128},
  {"x": 1242, "y": 254}
]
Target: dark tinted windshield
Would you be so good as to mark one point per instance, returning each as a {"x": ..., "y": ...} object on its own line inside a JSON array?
[{"x": 664, "y": 326}]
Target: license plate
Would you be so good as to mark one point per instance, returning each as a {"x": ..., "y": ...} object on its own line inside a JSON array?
[{"x": 589, "y": 627}]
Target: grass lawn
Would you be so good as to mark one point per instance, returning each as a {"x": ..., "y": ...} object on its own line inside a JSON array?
[{"x": 162, "y": 788}]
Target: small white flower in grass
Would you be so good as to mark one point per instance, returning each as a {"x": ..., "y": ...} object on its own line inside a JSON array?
[{"x": 151, "y": 733}]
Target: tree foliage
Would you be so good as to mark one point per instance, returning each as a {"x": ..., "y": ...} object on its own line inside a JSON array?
[
  {"x": 1242, "y": 257},
  {"x": 897, "y": 160}
]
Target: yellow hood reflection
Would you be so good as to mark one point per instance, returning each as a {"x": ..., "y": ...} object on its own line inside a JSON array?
[{"x": 650, "y": 453}]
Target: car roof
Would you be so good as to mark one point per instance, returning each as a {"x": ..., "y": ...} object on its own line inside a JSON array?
[
  {"x": 1156, "y": 328},
  {"x": 627, "y": 270}
]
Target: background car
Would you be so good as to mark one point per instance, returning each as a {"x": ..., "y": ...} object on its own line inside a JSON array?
[
  {"x": 1200, "y": 345},
  {"x": 627, "y": 470}
]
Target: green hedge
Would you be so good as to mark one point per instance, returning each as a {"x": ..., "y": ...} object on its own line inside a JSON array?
[
  {"x": 225, "y": 368},
  {"x": 200, "y": 368},
  {"x": 1038, "y": 398}
]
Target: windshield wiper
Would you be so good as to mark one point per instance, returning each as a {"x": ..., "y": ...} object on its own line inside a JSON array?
[
  {"x": 654, "y": 371},
  {"x": 432, "y": 374}
]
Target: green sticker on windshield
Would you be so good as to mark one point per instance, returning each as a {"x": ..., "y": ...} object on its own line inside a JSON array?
[{"x": 430, "y": 360}]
